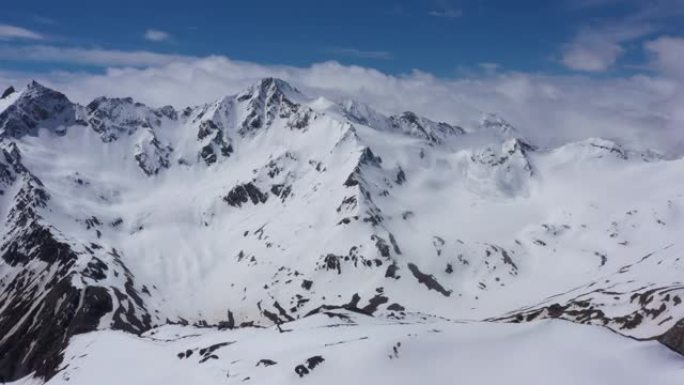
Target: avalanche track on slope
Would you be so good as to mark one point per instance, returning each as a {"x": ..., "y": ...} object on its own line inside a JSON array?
[{"x": 271, "y": 209}]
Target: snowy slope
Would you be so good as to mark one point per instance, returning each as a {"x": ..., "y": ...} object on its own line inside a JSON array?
[
  {"x": 361, "y": 350},
  {"x": 273, "y": 207}
]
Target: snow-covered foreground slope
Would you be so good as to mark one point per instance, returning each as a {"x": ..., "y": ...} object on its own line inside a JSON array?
[
  {"x": 274, "y": 207},
  {"x": 358, "y": 350}
]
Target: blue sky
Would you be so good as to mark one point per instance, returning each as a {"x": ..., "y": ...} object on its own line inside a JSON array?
[{"x": 442, "y": 37}]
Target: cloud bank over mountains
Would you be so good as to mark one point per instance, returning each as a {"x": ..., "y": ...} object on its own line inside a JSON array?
[{"x": 644, "y": 109}]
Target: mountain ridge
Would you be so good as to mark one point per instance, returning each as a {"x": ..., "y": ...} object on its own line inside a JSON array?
[{"x": 263, "y": 208}]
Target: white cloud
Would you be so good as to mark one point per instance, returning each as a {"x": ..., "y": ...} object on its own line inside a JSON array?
[
  {"x": 668, "y": 54},
  {"x": 87, "y": 56},
  {"x": 10, "y": 32},
  {"x": 593, "y": 57},
  {"x": 596, "y": 49},
  {"x": 644, "y": 110},
  {"x": 599, "y": 46},
  {"x": 156, "y": 35}
]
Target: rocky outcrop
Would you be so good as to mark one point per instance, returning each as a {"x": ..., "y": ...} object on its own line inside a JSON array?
[
  {"x": 244, "y": 193},
  {"x": 411, "y": 124},
  {"x": 674, "y": 337},
  {"x": 8, "y": 91}
]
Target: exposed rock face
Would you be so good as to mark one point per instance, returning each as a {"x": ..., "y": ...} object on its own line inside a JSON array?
[
  {"x": 674, "y": 338},
  {"x": 428, "y": 280},
  {"x": 151, "y": 155},
  {"x": 216, "y": 144},
  {"x": 46, "y": 303},
  {"x": 244, "y": 193}
]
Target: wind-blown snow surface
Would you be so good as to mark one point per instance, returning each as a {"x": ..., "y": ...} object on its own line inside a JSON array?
[
  {"x": 362, "y": 351},
  {"x": 274, "y": 207}
]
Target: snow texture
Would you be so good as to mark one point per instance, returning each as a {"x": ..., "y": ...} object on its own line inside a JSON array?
[{"x": 388, "y": 249}]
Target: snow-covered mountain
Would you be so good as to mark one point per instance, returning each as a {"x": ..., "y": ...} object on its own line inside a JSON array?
[{"x": 365, "y": 239}]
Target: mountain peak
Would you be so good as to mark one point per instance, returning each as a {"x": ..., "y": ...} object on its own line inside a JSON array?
[
  {"x": 275, "y": 82},
  {"x": 500, "y": 125},
  {"x": 269, "y": 87},
  {"x": 412, "y": 124},
  {"x": 35, "y": 90},
  {"x": 265, "y": 100},
  {"x": 101, "y": 101},
  {"x": 37, "y": 106},
  {"x": 35, "y": 84},
  {"x": 518, "y": 145},
  {"x": 37, "y": 87},
  {"x": 409, "y": 115},
  {"x": 362, "y": 113}
]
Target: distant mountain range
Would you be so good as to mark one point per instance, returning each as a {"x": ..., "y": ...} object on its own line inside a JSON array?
[{"x": 265, "y": 209}]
